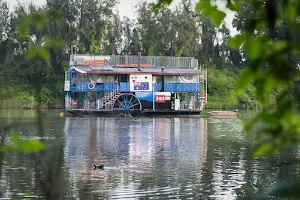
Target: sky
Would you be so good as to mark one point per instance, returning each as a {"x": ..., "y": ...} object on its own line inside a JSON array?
[{"x": 126, "y": 8}]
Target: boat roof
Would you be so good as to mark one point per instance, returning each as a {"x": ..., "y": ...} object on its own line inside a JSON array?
[{"x": 87, "y": 69}]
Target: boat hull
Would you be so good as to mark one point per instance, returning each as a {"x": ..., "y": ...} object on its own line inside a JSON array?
[
  {"x": 222, "y": 114},
  {"x": 110, "y": 113}
]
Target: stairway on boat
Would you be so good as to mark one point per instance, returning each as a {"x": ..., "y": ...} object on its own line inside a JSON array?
[{"x": 107, "y": 101}]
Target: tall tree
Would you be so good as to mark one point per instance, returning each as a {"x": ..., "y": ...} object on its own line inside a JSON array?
[
  {"x": 224, "y": 50},
  {"x": 208, "y": 38},
  {"x": 4, "y": 31},
  {"x": 94, "y": 18},
  {"x": 4, "y": 20}
]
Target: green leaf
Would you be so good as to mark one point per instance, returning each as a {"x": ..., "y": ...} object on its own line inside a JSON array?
[
  {"x": 31, "y": 51},
  {"x": 202, "y": 4},
  {"x": 43, "y": 53},
  {"x": 285, "y": 189},
  {"x": 231, "y": 6},
  {"x": 236, "y": 41},
  {"x": 207, "y": 10},
  {"x": 15, "y": 139},
  {"x": 217, "y": 17},
  {"x": 54, "y": 42},
  {"x": 253, "y": 121},
  {"x": 53, "y": 13},
  {"x": 270, "y": 119},
  {"x": 31, "y": 145},
  {"x": 160, "y": 3},
  {"x": 24, "y": 25},
  {"x": 265, "y": 149},
  {"x": 263, "y": 87},
  {"x": 244, "y": 79},
  {"x": 279, "y": 45},
  {"x": 254, "y": 47},
  {"x": 38, "y": 20}
]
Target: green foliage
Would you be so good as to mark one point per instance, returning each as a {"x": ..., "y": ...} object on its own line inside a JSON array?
[
  {"x": 161, "y": 2},
  {"x": 17, "y": 144},
  {"x": 221, "y": 86},
  {"x": 207, "y": 10},
  {"x": 270, "y": 67},
  {"x": 38, "y": 20},
  {"x": 221, "y": 103}
]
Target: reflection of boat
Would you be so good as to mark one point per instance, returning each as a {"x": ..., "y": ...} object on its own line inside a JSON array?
[
  {"x": 138, "y": 85},
  {"x": 222, "y": 114}
]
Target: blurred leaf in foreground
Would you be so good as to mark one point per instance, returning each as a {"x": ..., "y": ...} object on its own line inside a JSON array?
[{"x": 28, "y": 145}]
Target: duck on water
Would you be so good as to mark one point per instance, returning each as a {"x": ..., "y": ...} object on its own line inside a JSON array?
[{"x": 101, "y": 167}]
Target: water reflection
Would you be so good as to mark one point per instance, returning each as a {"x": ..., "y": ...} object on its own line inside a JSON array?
[{"x": 142, "y": 156}]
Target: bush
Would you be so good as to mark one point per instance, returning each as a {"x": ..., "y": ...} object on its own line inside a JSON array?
[{"x": 221, "y": 85}]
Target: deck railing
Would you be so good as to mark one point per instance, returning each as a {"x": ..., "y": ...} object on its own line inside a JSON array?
[
  {"x": 133, "y": 61},
  {"x": 125, "y": 87},
  {"x": 154, "y": 61}
]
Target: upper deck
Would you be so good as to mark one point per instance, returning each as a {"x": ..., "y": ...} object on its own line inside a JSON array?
[{"x": 117, "y": 61}]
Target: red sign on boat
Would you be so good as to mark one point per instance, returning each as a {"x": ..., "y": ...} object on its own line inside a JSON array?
[{"x": 160, "y": 99}]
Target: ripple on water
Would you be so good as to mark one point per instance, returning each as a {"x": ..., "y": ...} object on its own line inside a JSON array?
[
  {"x": 144, "y": 158},
  {"x": 121, "y": 193}
]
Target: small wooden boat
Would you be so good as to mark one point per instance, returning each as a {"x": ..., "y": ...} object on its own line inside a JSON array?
[{"x": 223, "y": 114}]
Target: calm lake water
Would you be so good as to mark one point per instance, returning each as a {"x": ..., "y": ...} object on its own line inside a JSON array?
[{"x": 144, "y": 158}]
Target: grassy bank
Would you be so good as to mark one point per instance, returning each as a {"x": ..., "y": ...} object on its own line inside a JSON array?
[{"x": 218, "y": 103}]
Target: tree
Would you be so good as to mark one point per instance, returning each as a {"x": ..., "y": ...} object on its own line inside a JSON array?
[
  {"x": 112, "y": 43},
  {"x": 4, "y": 30},
  {"x": 223, "y": 47},
  {"x": 4, "y": 20},
  {"x": 208, "y": 33}
]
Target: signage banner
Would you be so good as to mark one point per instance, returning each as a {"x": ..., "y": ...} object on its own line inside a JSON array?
[
  {"x": 140, "y": 82},
  {"x": 160, "y": 99}
]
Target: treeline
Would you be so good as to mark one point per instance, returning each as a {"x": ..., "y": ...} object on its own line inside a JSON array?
[{"x": 94, "y": 27}]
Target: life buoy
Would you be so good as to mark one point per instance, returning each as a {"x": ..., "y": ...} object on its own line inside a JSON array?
[{"x": 91, "y": 86}]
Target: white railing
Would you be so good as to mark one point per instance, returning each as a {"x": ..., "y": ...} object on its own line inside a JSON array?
[
  {"x": 154, "y": 61},
  {"x": 133, "y": 61}
]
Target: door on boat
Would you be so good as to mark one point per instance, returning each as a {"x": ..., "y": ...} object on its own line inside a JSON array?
[{"x": 123, "y": 77}]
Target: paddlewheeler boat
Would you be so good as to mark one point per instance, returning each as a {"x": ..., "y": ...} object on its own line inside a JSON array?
[{"x": 134, "y": 85}]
